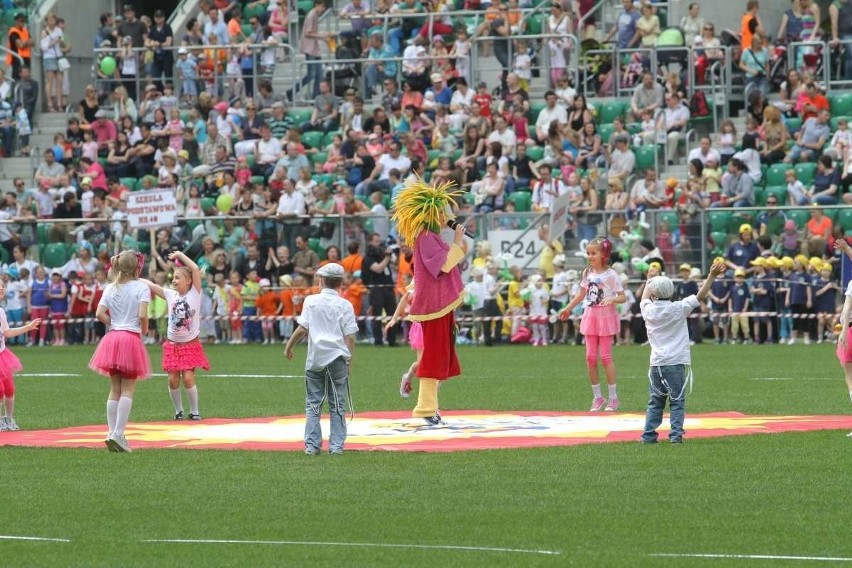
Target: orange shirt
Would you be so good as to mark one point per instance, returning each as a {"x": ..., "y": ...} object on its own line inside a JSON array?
[
  {"x": 267, "y": 304},
  {"x": 235, "y": 30},
  {"x": 352, "y": 262},
  {"x": 746, "y": 35},
  {"x": 404, "y": 268},
  {"x": 285, "y": 298},
  {"x": 353, "y": 294},
  {"x": 821, "y": 228}
]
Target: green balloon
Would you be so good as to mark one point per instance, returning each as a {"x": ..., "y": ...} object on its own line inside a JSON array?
[
  {"x": 108, "y": 65},
  {"x": 224, "y": 203}
]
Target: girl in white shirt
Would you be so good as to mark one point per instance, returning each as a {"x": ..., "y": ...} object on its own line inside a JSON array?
[
  {"x": 9, "y": 365},
  {"x": 120, "y": 355},
  {"x": 182, "y": 351}
]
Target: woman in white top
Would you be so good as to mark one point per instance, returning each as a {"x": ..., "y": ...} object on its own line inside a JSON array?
[
  {"x": 491, "y": 188},
  {"x": 648, "y": 25},
  {"x": 692, "y": 24},
  {"x": 120, "y": 355},
  {"x": 51, "y": 52},
  {"x": 559, "y": 24}
]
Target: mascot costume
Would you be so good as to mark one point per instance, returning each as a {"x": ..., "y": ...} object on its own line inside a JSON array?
[{"x": 420, "y": 212}]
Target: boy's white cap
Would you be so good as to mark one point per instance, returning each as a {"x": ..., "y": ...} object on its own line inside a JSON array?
[
  {"x": 571, "y": 275},
  {"x": 559, "y": 260},
  {"x": 476, "y": 271},
  {"x": 264, "y": 283},
  {"x": 695, "y": 273},
  {"x": 661, "y": 287},
  {"x": 331, "y": 270},
  {"x": 535, "y": 279}
]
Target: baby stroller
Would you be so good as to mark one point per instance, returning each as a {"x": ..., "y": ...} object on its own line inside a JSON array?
[
  {"x": 595, "y": 67},
  {"x": 672, "y": 53},
  {"x": 345, "y": 75},
  {"x": 778, "y": 64}
]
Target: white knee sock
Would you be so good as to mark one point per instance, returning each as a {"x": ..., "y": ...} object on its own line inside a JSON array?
[
  {"x": 192, "y": 395},
  {"x": 176, "y": 400},
  {"x": 596, "y": 390},
  {"x": 112, "y": 414},
  {"x": 123, "y": 414},
  {"x": 613, "y": 392},
  {"x": 10, "y": 407}
]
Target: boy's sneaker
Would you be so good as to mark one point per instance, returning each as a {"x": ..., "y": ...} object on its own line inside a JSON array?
[
  {"x": 405, "y": 385},
  {"x": 612, "y": 405},
  {"x": 11, "y": 425},
  {"x": 121, "y": 444},
  {"x": 110, "y": 443},
  {"x": 194, "y": 416},
  {"x": 849, "y": 435},
  {"x": 807, "y": 340},
  {"x": 598, "y": 404},
  {"x": 434, "y": 420},
  {"x": 179, "y": 415}
]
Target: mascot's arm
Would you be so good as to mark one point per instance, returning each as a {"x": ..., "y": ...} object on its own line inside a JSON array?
[
  {"x": 434, "y": 255},
  {"x": 454, "y": 256}
]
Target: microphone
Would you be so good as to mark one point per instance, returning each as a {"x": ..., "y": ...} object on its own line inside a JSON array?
[{"x": 452, "y": 224}]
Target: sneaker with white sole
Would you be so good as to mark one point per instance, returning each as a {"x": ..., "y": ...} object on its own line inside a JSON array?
[
  {"x": 121, "y": 444},
  {"x": 194, "y": 416},
  {"x": 405, "y": 385},
  {"x": 179, "y": 415},
  {"x": 11, "y": 425},
  {"x": 598, "y": 404},
  {"x": 3, "y": 426},
  {"x": 110, "y": 443},
  {"x": 612, "y": 405}
]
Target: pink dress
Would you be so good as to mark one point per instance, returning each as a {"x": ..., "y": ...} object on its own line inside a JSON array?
[
  {"x": 845, "y": 355},
  {"x": 597, "y": 319},
  {"x": 121, "y": 352},
  {"x": 9, "y": 363}
]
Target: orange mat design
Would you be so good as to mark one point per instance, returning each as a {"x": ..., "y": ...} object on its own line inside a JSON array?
[{"x": 397, "y": 431}]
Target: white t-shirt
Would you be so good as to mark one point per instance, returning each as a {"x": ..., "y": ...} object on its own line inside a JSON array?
[
  {"x": 16, "y": 292},
  {"x": 329, "y": 318},
  {"x": 600, "y": 287},
  {"x": 4, "y": 325},
  {"x": 539, "y": 301},
  {"x": 667, "y": 333},
  {"x": 388, "y": 163},
  {"x": 122, "y": 301},
  {"x": 476, "y": 290},
  {"x": 184, "y": 314}
]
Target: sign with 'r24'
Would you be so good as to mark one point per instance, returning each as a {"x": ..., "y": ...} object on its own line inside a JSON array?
[{"x": 523, "y": 247}]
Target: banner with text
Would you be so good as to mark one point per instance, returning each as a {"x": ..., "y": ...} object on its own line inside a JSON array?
[{"x": 150, "y": 209}]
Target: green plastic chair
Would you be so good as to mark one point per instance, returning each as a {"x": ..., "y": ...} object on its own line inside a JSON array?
[
  {"x": 319, "y": 157},
  {"x": 250, "y": 160},
  {"x": 129, "y": 182},
  {"x": 257, "y": 179},
  {"x": 535, "y": 108},
  {"x": 794, "y": 124},
  {"x": 669, "y": 217},
  {"x": 534, "y": 25},
  {"x": 522, "y": 201},
  {"x": 720, "y": 238},
  {"x": 840, "y": 104},
  {"x": 845, "y": 219},
  {"x": 776, "y": 174},
  {"x": 644, "y": 156},
  {"x": 779, "y": 191},
  {"x": 719, "y": 220},
  {"x": 800, "y": 216},
  {"x": 605, "y": 131},
  {"x": 207, "y": 203},
  {"x": 54, "y": 255},
  {"x": 805, "y": 172},
  {"x": 299, "y": 116},
  {"x": 313, "y": 139},
  {"x": 329, "y": 138},
  {"x": 535, "y": 153},
  {"x": 609, "y": 111},
  {"x": 43, "y": 233}
]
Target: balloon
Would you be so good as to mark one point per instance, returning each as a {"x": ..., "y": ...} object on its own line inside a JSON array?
[
  {"x": 108, "y": 65},
  {"x": 224, "y": 203}
]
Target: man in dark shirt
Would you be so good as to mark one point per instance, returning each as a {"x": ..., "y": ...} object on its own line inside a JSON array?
[
  {"x": 160, "y": 38},
  {"x": 132, "y": 27},
  {"x": 141, "y": 154},
  {"x": 27, "y": 92},
  {"x": 70, "y": 208},
  {"x": 376, "y": 275}
]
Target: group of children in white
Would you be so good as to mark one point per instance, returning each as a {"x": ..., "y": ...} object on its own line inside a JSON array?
[{"x": 328, "y": 322}]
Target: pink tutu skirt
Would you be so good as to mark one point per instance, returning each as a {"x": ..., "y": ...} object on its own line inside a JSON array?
[
  {"x": 9, "y": 364},
  {"x": 600, "y": 320},
  {"x": 845, "y": 355},
  {"x": 184, "y": 356},
  {"x": 121, "y": 353},
  {"x": 415, "y": 336}
]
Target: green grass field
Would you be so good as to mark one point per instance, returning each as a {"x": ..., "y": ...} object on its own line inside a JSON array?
[{"x": 596, "y": 505}]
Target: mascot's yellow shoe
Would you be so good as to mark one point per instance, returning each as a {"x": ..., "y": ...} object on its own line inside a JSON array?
[{"x": 427, "y": 402}]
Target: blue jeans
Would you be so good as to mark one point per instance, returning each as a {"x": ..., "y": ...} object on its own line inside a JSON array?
[
  {"x": 666, "y": 382},
  {"x": 16, "y": 319},
  {"x": 785, "y": 323},
  {"x": 826, "y": 200},
  {"x": 332, "y": 384},
  {"x": 251, "y": 328},
  {"x": 8, "y": 141},
  {"x": 314, "y": 74},
  {"x": 847, "y": 57}
]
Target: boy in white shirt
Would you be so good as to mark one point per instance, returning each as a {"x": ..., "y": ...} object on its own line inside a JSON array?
[
  {"x": 475, "y": 298},
  {"x": 522, "y": 64},
  {"x": 840, "y": 142},
  {"x": 328, "y": 321},
  {"x": 670, "y": 369}
]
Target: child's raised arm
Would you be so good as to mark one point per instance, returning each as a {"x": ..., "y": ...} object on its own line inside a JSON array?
[
  {"x": 16, "y": 331},
  {"x": 400, "y": 309},
  {"x": 190, "y": 264},
  {"x": 843, "y": 246},
  {"x": 156, "y": 289},
  {"x": 716, "y": 270}
]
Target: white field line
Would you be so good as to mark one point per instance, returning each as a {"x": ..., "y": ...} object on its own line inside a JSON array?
[
  {"x": 794, "y": 379},
  {"x": 757, "y": 557},
  {"x": 37, "y": 538},
  {"x": 357, "y": 545}
]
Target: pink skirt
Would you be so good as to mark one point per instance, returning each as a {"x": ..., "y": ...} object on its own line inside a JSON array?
[
  {"x": 600, "y": 320},
  {"x": 184, "y": 356},
  {"x": 121, "y": 353},
  {"x": 415, "y": 336},
  {"x": 845, "y": 355},
  {"x": 9, "y": 364}
]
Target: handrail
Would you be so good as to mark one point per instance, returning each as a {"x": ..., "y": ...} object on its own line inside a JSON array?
[
  {"x": 792, "y": 49},
  {"x": 571, "y": 66},
  {"x": 14, "y": 54}
]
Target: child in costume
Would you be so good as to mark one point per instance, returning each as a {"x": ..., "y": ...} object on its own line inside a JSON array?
[
  {"x": 328, "y": 321},
  {"x": 600, "y": 290},
  {"x": 670, "y": 358},
  {"x": 844, "y": 336},
  {"x": 120, "y": 355},
  {"x": 9, "y": 365},
  {"x": 420, "y": 212},
  {"x": 182, "y": 351}
]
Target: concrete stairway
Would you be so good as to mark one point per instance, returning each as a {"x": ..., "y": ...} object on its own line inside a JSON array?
[{"x": 46, "y": 126}]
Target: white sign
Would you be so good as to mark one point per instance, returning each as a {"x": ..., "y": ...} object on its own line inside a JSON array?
[
  {"x": 559, "y": 217},
  {"x": 522, "y": 246},
  {"x": 150, "y": 209}
]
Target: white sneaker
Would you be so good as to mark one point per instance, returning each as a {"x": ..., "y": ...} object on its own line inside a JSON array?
[
  {"x": 121, "y": 444},
  {"x": 792, "y": 341},
  {"x": 11, "y": 425},
  {"x": 807, "y": 340},
  {"x": 405, "y": 385},
  {"x": 849, "y": 435},
  {"x": 3, "y": 426}
]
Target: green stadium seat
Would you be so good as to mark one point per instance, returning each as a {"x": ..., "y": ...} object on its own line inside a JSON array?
[
  {"x": 719, "y": 220},
  {"x": 800, "y": 216},
  {"x": 669, "y": 217},
  {"x": 840, "y": 104},
  {"x": 759, "y": 195},
  {"x": 794, "y": 124},
  {"x": 605, "y": 131},
  {"x": 257, "y": 179},
  {"x": 736, "y": 221},
  {"x": 845, "y": 219},
  {"x": 776, "y": 174},
  {"x": 313, "y": 139},
  {"x": 208, "y": 203},
  {"x": 645, "y": 155},
  {"x": 54, "y": 255},
  {"x": 836, "y": 119},
  {"x": 328, "y": 139},
  {"x": 534, "y": 25},
  {"x": 779, "y": 191},
  {"x": 319, "y": 157},
  {"x": 5, "y": 257},
  {"x": 432, "y": 158},
  {"x": 298, "y": 116},
  {"x": 458, "y": 154},
  {"x": 535, "y": 108},
  {"x": 609, "y": 111},
  {"x": 535, "y": 153},
  {"x": 304, "y": 6},
  {"x": 805, "y": 172},
  {"x": 522, "y": 201},
  {"x": 250, "y": 160},
  {"x": 314, "y": 244},
  {"x": 129, "y": 182},
  {"x": 720, "y": 239},
  {"x": 43, "y": 233}
]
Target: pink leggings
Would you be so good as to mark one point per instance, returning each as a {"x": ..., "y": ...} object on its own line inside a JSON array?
[
  {"x": 593, "y": 342},
  {"x": 41, "y": 332},
  {"x": 7, "y": 386}
]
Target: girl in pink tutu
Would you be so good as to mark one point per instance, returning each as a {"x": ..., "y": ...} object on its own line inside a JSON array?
[
  {"x": 182, "y": 351},
  {"x": 600, "y": 290},
  {"x": 120, "y": 355},
  {"x": 9, "y": 364},
  {"x": 415, "y": 339},
  {"x": 844, "y": 336}
]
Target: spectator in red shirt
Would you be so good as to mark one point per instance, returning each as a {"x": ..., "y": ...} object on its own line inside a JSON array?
[
  {"x": 811, "y": 102},
  {"x": 105, "y": 131}
]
